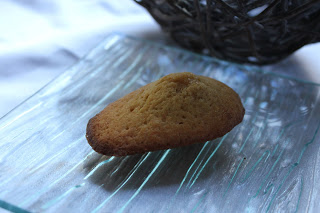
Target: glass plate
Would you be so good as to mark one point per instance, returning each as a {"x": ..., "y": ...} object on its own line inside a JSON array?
[{"x": 270, "y": 162}]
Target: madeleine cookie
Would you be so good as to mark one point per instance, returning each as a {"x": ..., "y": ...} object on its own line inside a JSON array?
[{"x": 176, "y": 110}]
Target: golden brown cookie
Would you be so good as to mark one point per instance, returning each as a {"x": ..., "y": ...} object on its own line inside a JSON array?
[{"x": 176, "y": 110}]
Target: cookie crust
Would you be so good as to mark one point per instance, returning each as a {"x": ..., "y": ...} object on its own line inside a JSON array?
[{"x": 177, "y": 110}]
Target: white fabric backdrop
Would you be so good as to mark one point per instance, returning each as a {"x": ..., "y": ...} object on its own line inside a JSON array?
[{"x": 39, "y": 39}]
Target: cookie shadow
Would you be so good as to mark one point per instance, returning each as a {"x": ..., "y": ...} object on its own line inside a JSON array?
[{"x": 185, "y": 165}]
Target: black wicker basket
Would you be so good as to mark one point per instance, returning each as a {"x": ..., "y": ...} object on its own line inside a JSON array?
[{"x": 245, "y": 31}]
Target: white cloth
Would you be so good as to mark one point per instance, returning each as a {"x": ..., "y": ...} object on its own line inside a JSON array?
[{"x": 39, "y": 39}]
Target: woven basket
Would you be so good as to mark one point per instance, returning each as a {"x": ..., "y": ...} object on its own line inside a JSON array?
[{"x": 245, "y": 31}]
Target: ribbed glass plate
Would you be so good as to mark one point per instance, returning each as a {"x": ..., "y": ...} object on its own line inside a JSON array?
[{"x": 270, "y": 162}]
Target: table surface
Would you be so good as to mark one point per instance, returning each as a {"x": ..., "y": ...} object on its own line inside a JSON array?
[{"x": 265, "y": 164}]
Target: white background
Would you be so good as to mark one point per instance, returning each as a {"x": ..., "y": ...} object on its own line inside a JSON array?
[{"x": 39, "y": 39}]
